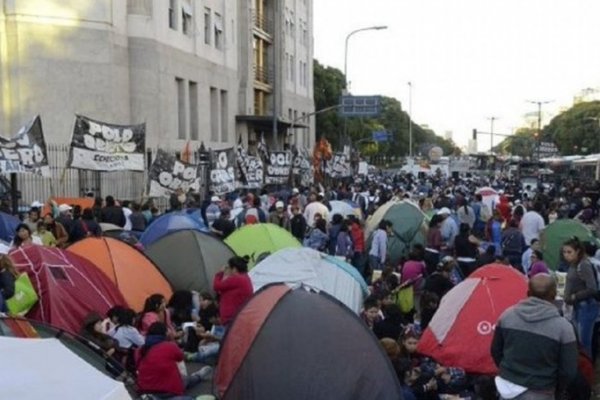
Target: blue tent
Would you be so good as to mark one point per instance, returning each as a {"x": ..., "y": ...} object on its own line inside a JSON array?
[
  {"x": 8, "y": 226},
  {"x": 169, "y": 223}
]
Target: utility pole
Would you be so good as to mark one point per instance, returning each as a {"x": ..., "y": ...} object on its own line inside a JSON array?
[
  {"x": 410, "y": 136},
  {"x": 492, "y": 119},
  {"x": 539, "y": 130}
]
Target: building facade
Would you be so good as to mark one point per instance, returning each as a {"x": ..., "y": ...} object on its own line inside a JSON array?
[{"x": 210, "y": 71}]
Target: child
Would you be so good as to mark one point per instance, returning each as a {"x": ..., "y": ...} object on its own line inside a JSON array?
[
  {"x": 125, "y": 332},
  {"x": 45, "y": 235},
  {"x": 371, "y": 311}
]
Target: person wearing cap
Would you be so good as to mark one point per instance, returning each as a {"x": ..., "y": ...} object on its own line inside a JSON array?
[
  {"x": 65, "y": 218},
  {"x": 213, "y": 210},
  {"x": 279, "y": 216},
  {"x": 449, "y": 228}
]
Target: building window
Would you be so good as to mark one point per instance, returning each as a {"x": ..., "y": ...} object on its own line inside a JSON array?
[
  {"x": 214, "y": 114},
  {"x": 193, "y": 94},
  {"x": 224, "y": 116},
  {"x": 218, "y": 31},
  {"x": 301, "y": 72},
  {"x": 181, "y": 118},
  {"x": 186, "y": 17},
  {"x": 292, "y": 75},
  {"x": 292, "y": 24},
  {"x": 172, "y": 14},
  {"x": 290, "y": 114},
  {"x": 207, "y": 25}
]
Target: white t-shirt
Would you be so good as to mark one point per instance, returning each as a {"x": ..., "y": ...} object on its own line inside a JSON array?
[
  {"x": 532, "y": 224},
  {"x": 127, "y": 212},
  {"x": 312, "y": 209}
]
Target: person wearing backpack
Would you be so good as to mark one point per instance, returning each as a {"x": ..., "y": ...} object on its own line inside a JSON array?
[
  {"x": 581, "y": 290},
  {"x": 513, "y": 244}
]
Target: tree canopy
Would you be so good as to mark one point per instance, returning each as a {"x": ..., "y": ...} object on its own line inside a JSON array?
[
  {"x": 576, "y": 130},
  {"x": 328, "y": 87}
]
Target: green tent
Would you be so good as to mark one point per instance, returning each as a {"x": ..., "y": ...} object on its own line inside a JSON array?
[
  {"x": 409, "y": 228},
  {"x": 189, "y": 259},
  {"x": 558, "y": 232},
  {"x": 257, "y": 239}
]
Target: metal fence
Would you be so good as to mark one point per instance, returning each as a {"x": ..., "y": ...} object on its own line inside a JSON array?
[{"x": 68, "y": 182}]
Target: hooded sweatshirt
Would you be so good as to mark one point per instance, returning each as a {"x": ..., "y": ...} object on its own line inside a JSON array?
[{"x": 534, "y": 346}]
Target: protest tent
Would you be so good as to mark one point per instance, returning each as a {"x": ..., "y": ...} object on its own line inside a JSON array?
[
  {"x": 312, "y": 269},
  {"x": 69, "y": 286},
  {"x": 84, "y": 348},
  {"x": 461, "y": 331},
  {"x": 327, "y": 338},
  {"x": 189, "y": 259},
  {"x": 39, "y": 358},
  {"x": 132, "y": 271},
  {"x": 344, "y": 208},
  {"x": 8, "y": 226},
  {"x": 554, "y": 235},
  {"x": 258, "y": 240},
  {"x": 169, "y": 223},
  {"x": 409, "y": 227}
]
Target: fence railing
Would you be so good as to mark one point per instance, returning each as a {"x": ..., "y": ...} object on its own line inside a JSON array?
[{"x": 69, "y": 182}]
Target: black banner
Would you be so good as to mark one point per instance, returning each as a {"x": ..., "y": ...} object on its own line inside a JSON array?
[
  {"x": 167, "y": 175},
  {"x": 278, "y": 170},
  {"x": 26, "y": 151},
  {"x": 255, "y": 173},
  {"x": 339, "y": 166},
  {"x": 100, "y": 146},
  {"x": 302, "y": 167},
  {"x": 222, "y": 174}
]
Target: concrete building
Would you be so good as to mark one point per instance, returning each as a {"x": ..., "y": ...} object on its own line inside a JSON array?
[{"x": 211, "y": 71}]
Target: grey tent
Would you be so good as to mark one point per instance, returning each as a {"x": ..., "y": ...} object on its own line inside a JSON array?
[
  {"x": 189, "y": 259},
  {"x": 294, "y": 344}
]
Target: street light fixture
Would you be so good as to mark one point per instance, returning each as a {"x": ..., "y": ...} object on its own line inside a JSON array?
[
  {"x": 370, "y": 28},
  {"x": 539, "y": 134}
]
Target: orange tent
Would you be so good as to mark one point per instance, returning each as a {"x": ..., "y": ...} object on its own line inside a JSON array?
[
  {"x": 133, "y": 273},
  {"x": 83, "y": 202}
]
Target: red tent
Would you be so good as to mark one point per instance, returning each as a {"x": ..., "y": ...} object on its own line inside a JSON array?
[
  {"x": 69, "y": 287},
  {"x": 460, "y": 333}
]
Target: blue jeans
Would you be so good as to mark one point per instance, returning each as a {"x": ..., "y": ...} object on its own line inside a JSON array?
[
  {"x": 375, "y": 263},
  {"x": 584, "y": 316},
  {"x": 206, "y": 351}
]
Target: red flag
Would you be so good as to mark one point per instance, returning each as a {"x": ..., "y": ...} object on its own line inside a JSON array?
[{"x": 186, "y": 154}]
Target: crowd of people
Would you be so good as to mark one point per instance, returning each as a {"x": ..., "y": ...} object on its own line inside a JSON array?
[{"x": 464, "y": 233}]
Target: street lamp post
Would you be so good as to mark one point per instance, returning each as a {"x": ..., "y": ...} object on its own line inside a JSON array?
[
  {"x": 492, "y": 119},
  {"x": 539, "y": 132},
  {"x": 370, "y": 28},
  {"x": 410, "y": 136}
]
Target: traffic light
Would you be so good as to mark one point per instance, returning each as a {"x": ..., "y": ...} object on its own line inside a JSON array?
[{"x": 474, "y": 134}]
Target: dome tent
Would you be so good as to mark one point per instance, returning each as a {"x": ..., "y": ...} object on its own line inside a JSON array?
[
  {"x": 69, "y": 286},
  {"x": 409, "y": 227},
  {"x": 326, "y": 337},
  {"x": 255, "y": 240},
  {"x": 134, "y": 274},
  {"x": 554, "y": 235},
  {"x": 313, "y": 269},
  {"x": 169, "y": 223},
  {"x": 189, "y": 259}
]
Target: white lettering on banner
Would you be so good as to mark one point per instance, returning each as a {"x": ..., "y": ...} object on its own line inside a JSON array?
[
  {"x": 485, "y": 328},
  {"x": 112, "y": 140},
  {"x": 27, "y": 156},
  {"x": 281, "y": 158}
]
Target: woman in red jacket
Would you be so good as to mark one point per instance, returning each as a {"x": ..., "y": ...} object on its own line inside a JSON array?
[
  {"x": 234, "y": 288},
  {"x": 158, "y": 371}
]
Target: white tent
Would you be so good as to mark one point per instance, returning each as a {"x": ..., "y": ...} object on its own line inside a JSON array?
[
  {"x": 314, "y": 269},
  {"x": 45, "y": 369}
]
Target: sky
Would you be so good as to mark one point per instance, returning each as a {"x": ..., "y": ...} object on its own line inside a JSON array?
[{"x": 467, "y": 60}]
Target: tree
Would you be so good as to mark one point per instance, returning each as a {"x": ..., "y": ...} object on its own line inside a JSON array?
[
  {"x": 521, "y": 144},
  {"x": 577, "y": 130},
  {"x": 329, "y": 84}
]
